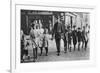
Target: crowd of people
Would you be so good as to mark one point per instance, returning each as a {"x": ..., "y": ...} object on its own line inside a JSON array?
[{"x": 38, "y": 39}]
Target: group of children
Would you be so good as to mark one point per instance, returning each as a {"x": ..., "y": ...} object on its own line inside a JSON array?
[
  {"x": 37, "y": 39},
  {"x": 75, "y": 36}
]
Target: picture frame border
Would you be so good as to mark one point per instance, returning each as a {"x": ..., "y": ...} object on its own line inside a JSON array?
[{"x": 12, "y": 65}]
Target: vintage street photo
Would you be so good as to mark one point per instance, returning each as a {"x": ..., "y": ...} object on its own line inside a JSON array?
[{"x": 49, "y": 36}]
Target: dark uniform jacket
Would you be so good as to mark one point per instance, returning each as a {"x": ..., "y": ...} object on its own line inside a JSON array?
[{"x": 57, "y": 30}]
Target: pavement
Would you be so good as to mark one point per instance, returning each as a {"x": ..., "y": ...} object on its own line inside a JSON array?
[{"x": 69, "y": 56}]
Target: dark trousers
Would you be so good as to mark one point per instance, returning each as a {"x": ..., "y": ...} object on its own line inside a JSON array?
[
  {"x": 69, "y": 47},
  {"x": 58, "y": 44},
  {"x": 22, "y": 54},
  {"x": 65, "y": 45},
  {"x": 46, "y": 49},
  {"x": 79, "y": 46},
  {"x": 74, "y": 43},
  {"x": 86, "y": 42},
  {"x": 34, "y": 54},
  {"x": 41, "y": 49}
]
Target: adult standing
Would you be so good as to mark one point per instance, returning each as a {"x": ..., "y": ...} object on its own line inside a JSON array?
[{"x": 57, "y": 31}]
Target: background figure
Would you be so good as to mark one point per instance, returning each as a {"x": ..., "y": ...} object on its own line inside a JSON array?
[
  {"x": 69, "y": 38},
  {"x": 79, "y": 38},
  {"x": 58, "y": 30},
  {"x": 74, "y": 36}
]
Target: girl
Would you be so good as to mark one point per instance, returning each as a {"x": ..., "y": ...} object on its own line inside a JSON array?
[{"x": 45, "y": 40}]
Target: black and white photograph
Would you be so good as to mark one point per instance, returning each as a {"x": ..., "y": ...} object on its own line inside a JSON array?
[{"x": 50, "y": 36}]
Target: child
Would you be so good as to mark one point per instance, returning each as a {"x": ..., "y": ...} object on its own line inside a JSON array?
[
  {"x": 41, "y": 44},
  {"x": 41, "y": 36},
  {"x": 83, "y": 36},
  {"x": 26, "y": 44},
  {"x": 74, "y": 36},
  {"x": 65, "y": 40},
  {"x": 79, "y": 38},
  {"x": 69, "y": 38},
  {"x": 33, "y": 35},
  {"x": 45, "y": 41}
]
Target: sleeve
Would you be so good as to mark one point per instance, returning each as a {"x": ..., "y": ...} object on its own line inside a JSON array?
[
  {"x": 55, "y": 27},
  {"x": 62, "y": 28}
]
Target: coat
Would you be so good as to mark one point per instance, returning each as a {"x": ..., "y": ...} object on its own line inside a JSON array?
[{"x": 57, "y": 30}]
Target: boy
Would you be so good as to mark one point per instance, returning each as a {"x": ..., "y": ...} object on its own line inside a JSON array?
[
  {"x": 79, "y": 38},
  {"x": 65, "y": 40},
  {"x": 69, "y": 38},
  {"x": 83, "y": 37},
  {"x": 74, "y": 36}
]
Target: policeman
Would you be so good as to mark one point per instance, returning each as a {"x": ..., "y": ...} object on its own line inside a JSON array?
[
  {"x": 58, "y": 30},
  {"x": 74, "y": 37}
]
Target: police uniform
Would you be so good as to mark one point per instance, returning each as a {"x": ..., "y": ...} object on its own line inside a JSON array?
[{"x": 58, "y": 29}]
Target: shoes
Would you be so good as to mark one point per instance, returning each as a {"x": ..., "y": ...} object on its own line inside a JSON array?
[
  {"x": 40, "y": 54},
  {"x": 46, "y": 55},
  {"x": 58, "y": 54}
]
